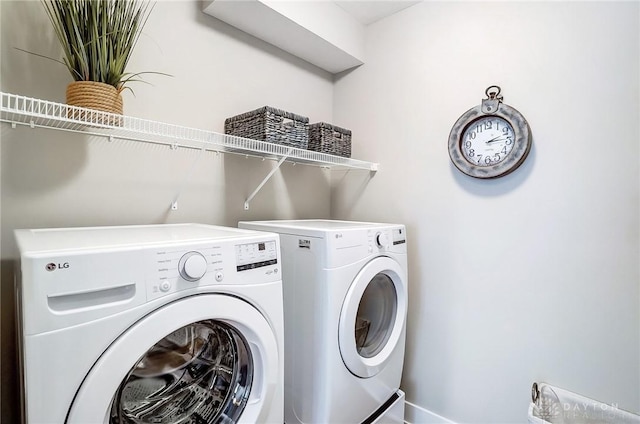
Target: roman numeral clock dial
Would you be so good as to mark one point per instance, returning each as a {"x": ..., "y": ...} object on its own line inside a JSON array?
[{"x": 489, "y": 140}]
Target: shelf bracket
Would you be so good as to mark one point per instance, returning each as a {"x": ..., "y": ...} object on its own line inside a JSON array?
[{"x": 269, "y": 175}]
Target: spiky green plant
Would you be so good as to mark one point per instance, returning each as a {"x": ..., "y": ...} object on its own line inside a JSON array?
[{"x": 98, "y": 36}]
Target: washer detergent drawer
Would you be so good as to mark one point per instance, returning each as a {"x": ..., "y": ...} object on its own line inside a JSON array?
[
  {"x": 68, "y": 302},
  {"x": 61, "y": 291}
]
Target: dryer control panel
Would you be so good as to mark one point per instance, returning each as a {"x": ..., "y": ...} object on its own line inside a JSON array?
[
  {"x": 347, "y": 246},
  {"x": 392, "y": 239}
]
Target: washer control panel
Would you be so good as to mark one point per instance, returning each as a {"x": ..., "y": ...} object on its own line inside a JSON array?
[
  {"x": 256, "y": 255},
  {"x": 229, "y": 262},
  {"x": 71, "y": 276}
]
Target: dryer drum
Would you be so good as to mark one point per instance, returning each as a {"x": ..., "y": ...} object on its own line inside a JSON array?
[
  {"x": 199, "y": 374},
  {"x": 362, "y": 331},
  {"x": 376, "y": 316}
]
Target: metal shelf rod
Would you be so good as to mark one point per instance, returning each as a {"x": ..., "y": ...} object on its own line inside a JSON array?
[
  {"x": 209, "y": 147},
  {"x": 20, "y": 110}
]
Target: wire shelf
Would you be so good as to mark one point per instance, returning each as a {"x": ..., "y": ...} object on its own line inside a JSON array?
[{"x": 21, "y": 110}]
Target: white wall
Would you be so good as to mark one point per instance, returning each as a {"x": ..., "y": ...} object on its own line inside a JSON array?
[
  {"x": 533, "y": 276},
  {"x": 59, "y": 179}
]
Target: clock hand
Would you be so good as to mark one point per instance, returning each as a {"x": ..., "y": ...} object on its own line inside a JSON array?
[{"x": 494, "y": 139}]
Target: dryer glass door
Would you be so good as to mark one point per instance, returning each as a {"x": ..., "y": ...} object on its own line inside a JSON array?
[
  {"x": 376, "y": 315},
  {"x": 200, "y": 373},
  {"x": 373, "y": 315}
]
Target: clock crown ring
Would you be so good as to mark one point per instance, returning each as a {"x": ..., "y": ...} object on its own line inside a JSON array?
[
  {"x": 493, "y": 93},
  {"x": 493, "y": 100}
]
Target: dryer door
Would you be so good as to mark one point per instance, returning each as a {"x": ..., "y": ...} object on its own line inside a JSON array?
[
  {"x": 373, "y": 317},
  {"x": 202, "y": 359}
]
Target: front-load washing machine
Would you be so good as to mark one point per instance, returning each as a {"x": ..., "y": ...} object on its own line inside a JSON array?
[
  {"x": 150, "y": 324},
  {"x": 345, "y": 307}
]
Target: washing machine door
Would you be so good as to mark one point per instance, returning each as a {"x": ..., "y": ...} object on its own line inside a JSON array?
[
  {"x": 373, "y": 317},
  {"x": 202, "y": 359}
]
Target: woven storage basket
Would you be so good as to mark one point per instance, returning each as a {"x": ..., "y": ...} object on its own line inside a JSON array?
[
  {"x": 272, "y": 125},
  {"x": 97, "y": 96},
  {"x": 327, "y": 138}
]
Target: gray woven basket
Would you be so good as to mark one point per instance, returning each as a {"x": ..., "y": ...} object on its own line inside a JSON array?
[
  {"x": 272, "y": 125},
  {"x": 327, "y": 138}
]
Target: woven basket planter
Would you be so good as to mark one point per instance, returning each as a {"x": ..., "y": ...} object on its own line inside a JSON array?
[
  {"x": 327, "y": 138},
  {"x": 272, "y": 125},
  {"x": 97, "y": 96}
]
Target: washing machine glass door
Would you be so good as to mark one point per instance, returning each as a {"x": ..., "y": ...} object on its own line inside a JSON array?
[
  {"x": 198, "y": 373},
  {"x": 373, "y": 317},
  {"x": 181, "y": 365}
]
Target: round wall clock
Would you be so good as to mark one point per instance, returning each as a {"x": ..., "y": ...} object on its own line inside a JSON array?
[{"x": 491, "y": 139}]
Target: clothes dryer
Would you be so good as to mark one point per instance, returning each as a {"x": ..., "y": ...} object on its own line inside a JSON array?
[
  {"x": 345, "y": 306},
  {"x": 163, "y": 323}
]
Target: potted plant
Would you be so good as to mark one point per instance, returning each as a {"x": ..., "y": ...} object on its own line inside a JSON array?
[{"x": 97, "y": 38}]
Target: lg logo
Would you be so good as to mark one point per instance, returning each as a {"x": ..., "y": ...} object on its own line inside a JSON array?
[{"x": 52, "y": 266}]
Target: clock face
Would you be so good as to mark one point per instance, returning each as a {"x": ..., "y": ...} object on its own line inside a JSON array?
[{"x": 487, "y": 141}]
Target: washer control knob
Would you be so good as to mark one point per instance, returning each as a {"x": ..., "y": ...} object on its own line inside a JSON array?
[
  {"x": 382, "y": 240},
  {"x": 192, "y": 266},
  {"x": 165, "y": 286}
]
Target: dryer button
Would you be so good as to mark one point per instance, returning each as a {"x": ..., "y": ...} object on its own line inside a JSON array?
[
  {"x": 382, "y": 240},
  {"x": 219, "y": 276}
]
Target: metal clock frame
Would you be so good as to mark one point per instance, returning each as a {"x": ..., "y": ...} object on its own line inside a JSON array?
[{"x": 492, "y": 106}]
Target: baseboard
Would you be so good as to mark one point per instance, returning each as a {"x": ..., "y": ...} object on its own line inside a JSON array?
[{"x": 414, "y": 414}]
